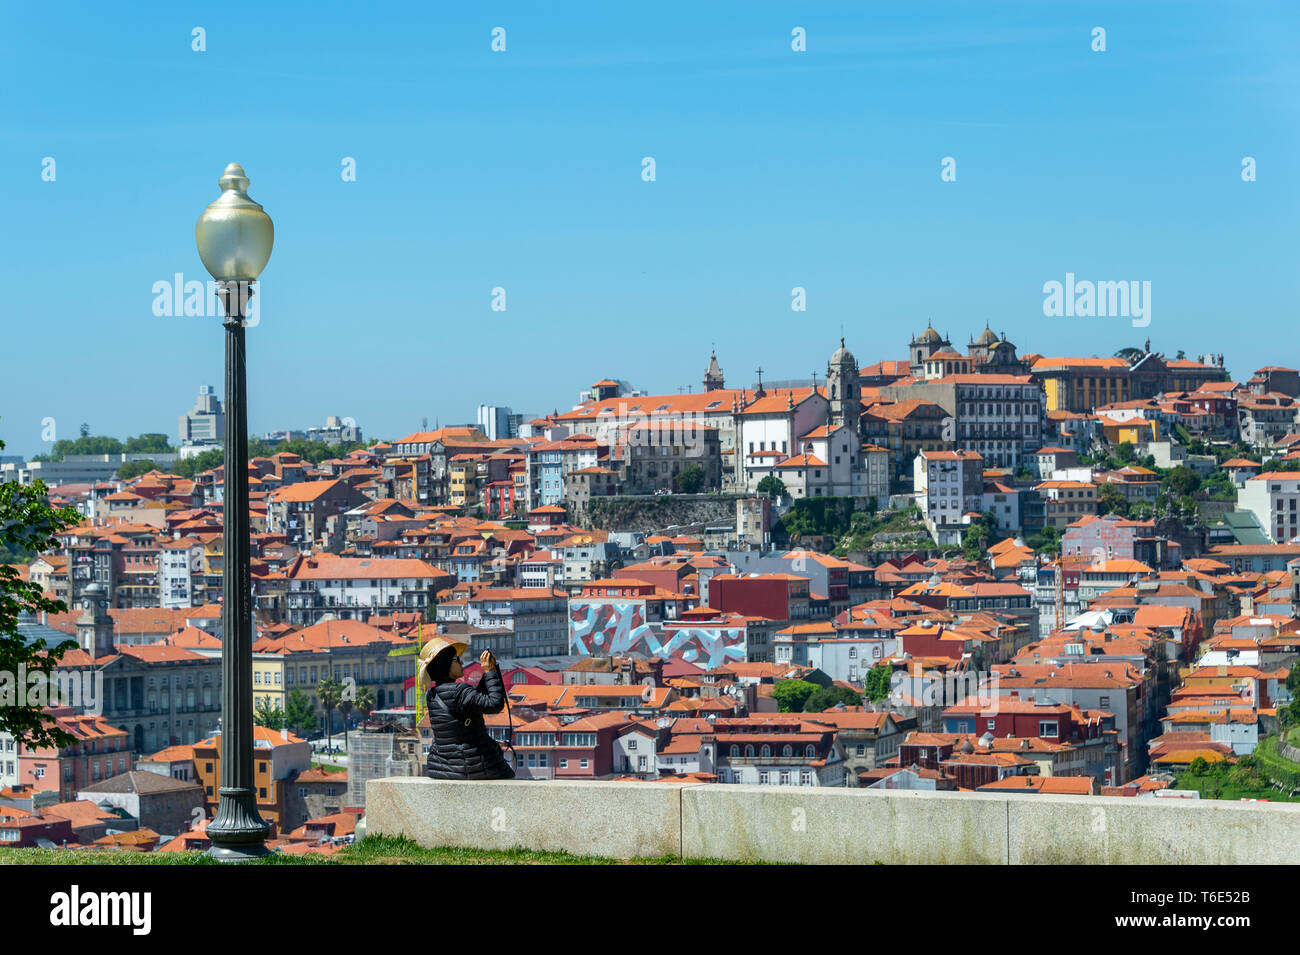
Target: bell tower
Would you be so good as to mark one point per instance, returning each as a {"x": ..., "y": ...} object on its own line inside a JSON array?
[
  {"x": 713, "y": 373},
  {"x": 842, "y": 388},
  {"x": 95, "y": 626}
]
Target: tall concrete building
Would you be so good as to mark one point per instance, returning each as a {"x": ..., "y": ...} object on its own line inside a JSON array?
[
  {"x": 206, "y": 422},
  {"x": 497, "y": 422}
]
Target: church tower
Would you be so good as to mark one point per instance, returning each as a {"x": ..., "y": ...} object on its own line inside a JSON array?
[
  {"x": 842, "y": 388},
  {"x": 95, "y": 626},
  {"x": 922, "y": 347},
  {"x": 713, "y": 374}
]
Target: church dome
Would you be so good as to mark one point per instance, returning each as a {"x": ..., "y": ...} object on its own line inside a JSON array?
[
  {"x": 843, "y": 356},
  {"x": 987, "y": 337},
  {"x": 929, "y": 335}
]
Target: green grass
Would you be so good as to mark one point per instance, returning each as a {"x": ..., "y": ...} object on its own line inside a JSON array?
[
  {"x": 862, "y": 537},
  {"x": 1280, "y": 769},
  {"x": 1211, "y": 787},
  {"x": 1239, "y": 784},
  {"x": 329, "y": 768},
  {"x": 378, "y": 850}
]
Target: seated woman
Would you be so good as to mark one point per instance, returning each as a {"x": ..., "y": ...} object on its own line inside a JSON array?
[{"x": 461, "y": 747}]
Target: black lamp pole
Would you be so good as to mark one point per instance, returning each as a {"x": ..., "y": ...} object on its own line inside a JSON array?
[
  {"x": 238, "y": 832},
  {"x": 234, "y": 236}
]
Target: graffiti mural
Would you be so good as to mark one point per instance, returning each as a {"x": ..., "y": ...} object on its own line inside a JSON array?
[
  {"x": 707, "y": 647},
  {"x": 601, "y": 628},
  {"x": 605, "y": 628}
]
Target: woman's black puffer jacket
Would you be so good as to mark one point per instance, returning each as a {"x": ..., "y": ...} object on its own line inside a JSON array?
[{"x": 461, "y": 747}]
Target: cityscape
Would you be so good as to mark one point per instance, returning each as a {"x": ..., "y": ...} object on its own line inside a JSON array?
[
  {"x": 968, "y": 570},
  {"x": 753, "y": 534}
]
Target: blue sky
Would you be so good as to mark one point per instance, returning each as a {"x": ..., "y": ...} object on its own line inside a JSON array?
[{"x": 522, "y": 170}]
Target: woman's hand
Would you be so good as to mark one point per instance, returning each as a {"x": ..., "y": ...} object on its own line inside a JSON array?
[{"x": 487, "y": 660}]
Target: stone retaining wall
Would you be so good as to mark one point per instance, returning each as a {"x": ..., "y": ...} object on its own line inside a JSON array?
[{"x": 812, "y": 825}]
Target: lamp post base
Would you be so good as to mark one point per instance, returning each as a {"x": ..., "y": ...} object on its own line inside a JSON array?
[{"x": 238, "y": 833}]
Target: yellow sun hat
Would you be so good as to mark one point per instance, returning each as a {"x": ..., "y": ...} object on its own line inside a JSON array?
[{"x": 432, "y": 649}]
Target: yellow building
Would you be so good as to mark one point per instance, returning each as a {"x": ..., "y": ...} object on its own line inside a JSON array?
[
  {"x": 1133, "y": 431},
  {"x": 462, "y": 488},
  {"x": 277, "y": 756},
  {"x": 268, "y": 681},
  {"x": 213, "y": 567},
  {"x": 1081, "y": 384}
]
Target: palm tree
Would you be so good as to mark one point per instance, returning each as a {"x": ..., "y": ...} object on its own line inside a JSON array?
[
  {"x": 365, "y": 701},
  {"x": 330, "y": 692},
  {"x": 345, "y": 707}
]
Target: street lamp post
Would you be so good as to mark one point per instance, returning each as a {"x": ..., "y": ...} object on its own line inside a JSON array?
[{"x": 234, "y": 238}]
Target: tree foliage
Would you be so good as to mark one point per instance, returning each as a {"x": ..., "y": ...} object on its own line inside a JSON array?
[
  {"x": 826, "y": 516},
  {"x": 824, "y": 697},
  {"x": 878, "y": 683},
  {"x": 203, "y": 461},
  {"x": 28, "y": 525},
  {"x": 135, "y": 468},
  {"x": 790, "y": 695},
  {"x": 975, "y": 539},
  {"x": 272, "y": 717},
  {"x": 1219, "y": 485},
  {"x": 772, "y": 486},
  {"x": 1183, "y": 481},
  {"x": 300, "y": 713},
  {"x": 312, "y": 451},
  {"x": 152, "y": 443},
  {"x": 1046, "y": 541},
  {"x": 1111, "y": 500},
  {"x": 690, "y": 479}
]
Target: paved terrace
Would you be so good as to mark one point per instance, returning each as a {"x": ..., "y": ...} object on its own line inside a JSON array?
[{"x": 809, "y": 825}]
